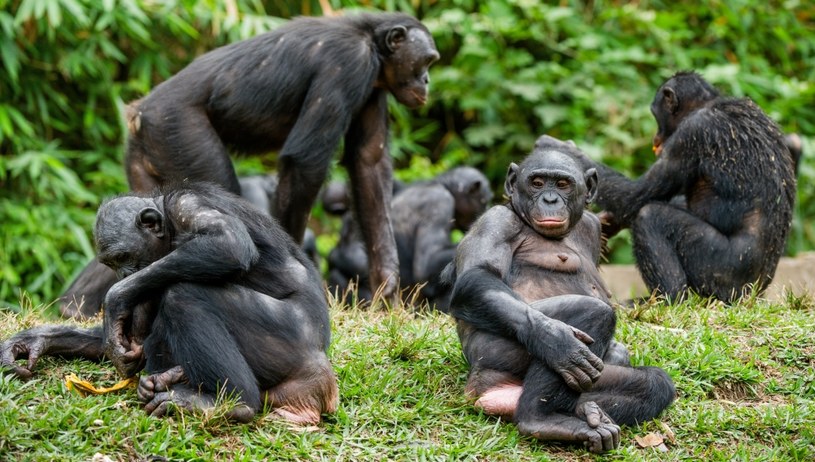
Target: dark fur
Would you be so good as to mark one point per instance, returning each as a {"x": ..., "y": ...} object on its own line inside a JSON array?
[
  {"x": 730, "y": 164},
  {"x": 423, "y": 214},
  {"x": 210, "y": 284},
  {"x": 525, "y": 276}
]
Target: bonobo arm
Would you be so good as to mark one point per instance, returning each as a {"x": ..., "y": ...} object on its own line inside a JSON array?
[
  {"x": 482, "y": 297},
  {"x": 623, "y": 197},
  {"x": 49, "y": 340}
]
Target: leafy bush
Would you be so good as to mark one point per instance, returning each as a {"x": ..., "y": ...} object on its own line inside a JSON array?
[{"x": 510, "y": 71}]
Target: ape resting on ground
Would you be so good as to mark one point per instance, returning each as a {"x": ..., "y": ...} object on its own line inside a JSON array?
[
  {"x": 424, "y": 214},
  {"x": 301, "y": 89},
  {"x": 730, "y": 164},
  {"x": 533, "y": 314},
  {"x": 214, "y": 296}
]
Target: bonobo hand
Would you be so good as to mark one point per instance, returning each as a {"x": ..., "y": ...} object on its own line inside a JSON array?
[
  {"x": 566, "y": 353},
  {"x": 609, "y": 224},
  {"x": 25, "y": 344},
  {"x": 125, "y": 355}
]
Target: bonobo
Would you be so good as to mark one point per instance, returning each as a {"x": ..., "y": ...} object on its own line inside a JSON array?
[
  {"x": 533, "y": 313},
  {"x": 424, "y": 214},
  {"x": 213, "y": 297},
  {"x": 302, "y": 89},
  {"x": 731, "y": 167}
]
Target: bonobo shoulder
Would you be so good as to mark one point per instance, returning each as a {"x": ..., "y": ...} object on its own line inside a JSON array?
[{"x": 500, "y": 221}]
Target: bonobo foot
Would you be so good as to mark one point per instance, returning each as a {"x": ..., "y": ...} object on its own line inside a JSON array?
[
  {"x": 590, "y": 425},
  {"x": 166, "y": 390}
]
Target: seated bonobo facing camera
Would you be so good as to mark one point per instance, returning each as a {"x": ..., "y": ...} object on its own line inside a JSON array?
[
  {"x": 533, "y": 313},
  {"x": 213, "y": 296}
]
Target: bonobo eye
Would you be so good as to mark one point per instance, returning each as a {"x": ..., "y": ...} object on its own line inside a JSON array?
[
  {"x": 562, "y": 184},
  {"x": 537, "y": 183}
]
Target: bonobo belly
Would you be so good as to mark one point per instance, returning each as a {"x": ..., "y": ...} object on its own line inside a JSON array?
[{"x": 555, "y": 271}]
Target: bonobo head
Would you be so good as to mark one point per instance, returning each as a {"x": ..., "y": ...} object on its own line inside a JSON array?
[
  {"x": 471, "y": 191},
  {"x": 682, "y": 94},
  {"x": 131, "y": 233},
  {"x": 549, "y": 191},
  {"x": 408, "y": 51}
]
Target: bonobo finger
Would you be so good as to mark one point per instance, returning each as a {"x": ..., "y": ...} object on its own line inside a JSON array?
[
  {"x": 593, "y": 414},
  {"x": 596, "y": 363},
  {"x": 576, "y": 379},
  {"x": 594, "y": 443},
  {"x": 22, "y": 372},
  {"x": 616, "y": 433},
  {"x": 607, "y": 437},
  {"x": 582, "y": 336}
]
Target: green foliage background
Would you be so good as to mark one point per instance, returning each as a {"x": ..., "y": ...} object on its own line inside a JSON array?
[{"x": 510, "y": 71}]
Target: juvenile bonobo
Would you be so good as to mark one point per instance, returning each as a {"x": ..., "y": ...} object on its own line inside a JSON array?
[
  {"x": 213, "y": 297},
  {"x": 424, "y": 215},
  {"x": 301, "y": 89},
  {"x": 713, "y": 213},
  {"x": 533, "y": 313}
]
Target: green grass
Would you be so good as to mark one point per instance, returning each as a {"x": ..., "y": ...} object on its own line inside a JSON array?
[{"x": 745, "y": 376}]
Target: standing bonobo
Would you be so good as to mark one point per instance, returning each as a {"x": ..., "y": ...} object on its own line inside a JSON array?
[
  {"x": 731, "y": 163},
  {"x": 533, "y": 315},
  {"x": 302, "y": 89},
  {"x": 214, "y": 297}
]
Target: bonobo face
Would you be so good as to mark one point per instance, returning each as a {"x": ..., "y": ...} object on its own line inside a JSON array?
[
  {"x": 130, "y": 234},
  {"x": 405, "y": 70},
  {"x": 676, "y": 99},
  {"x": 549, "y": 192}
]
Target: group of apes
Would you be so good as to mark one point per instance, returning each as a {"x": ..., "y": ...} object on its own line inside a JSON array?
[{"x": 211, "y": 296}]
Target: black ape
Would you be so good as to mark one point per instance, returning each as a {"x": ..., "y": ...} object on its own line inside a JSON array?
[
  {"x": 300, "y": 89},
  {"x": 214, "y": 296},
  {"x": 731, "y": 164},
  {"x": 424, "y": 214},
  {"x": 528, "y": 297}
]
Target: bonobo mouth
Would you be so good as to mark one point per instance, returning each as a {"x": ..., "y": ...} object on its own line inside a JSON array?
[
  {"x": 419, "y": 99},
  {"x": 550, "y": 223}
]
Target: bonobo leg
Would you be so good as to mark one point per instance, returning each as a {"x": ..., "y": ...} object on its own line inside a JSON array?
[
  {"x": 631, "y": 395},
  {"x": 676, "y": 250},
  {"x": 235, "y": 342},
  {"x": 548, "y": 408},
  {"x": 297, "y": 190},
  {"x": 84, "y": 297},
  {"x": 310, "y": 391},
  {"x": 167, "y": 146},
  {"x": 369, "y": 167},
  {"x": 497, "y": 368},
  {"x": 498, "y": 365},
  {"x": 189, "y": 330}
]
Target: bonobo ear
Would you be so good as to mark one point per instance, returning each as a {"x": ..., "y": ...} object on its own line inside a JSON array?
[
  {"x": 512, "y": 177},
  {"x": 671, "y": 101},
  {"x": 395, "y": 37},
  {"x": 591, "y": 185},
  {"x": 150, "y": 218}
]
